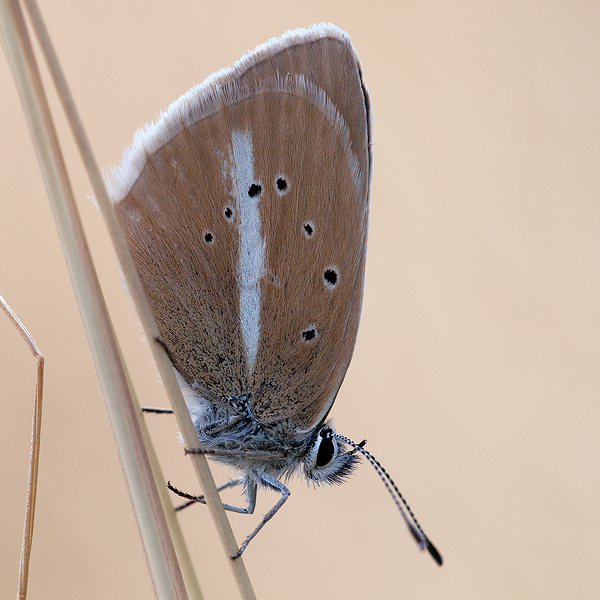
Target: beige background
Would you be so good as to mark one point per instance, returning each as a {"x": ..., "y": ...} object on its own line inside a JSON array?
[{"x": 476, "y": 373}]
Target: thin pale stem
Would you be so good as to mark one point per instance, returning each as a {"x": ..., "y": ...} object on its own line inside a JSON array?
[{"x": 34, "y": 452}]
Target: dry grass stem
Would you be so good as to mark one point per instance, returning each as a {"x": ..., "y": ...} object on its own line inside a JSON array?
[{"x": 34, "y": 453}]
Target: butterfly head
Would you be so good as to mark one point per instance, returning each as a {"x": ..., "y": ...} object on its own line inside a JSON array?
[{"x": 328, "y": 460}]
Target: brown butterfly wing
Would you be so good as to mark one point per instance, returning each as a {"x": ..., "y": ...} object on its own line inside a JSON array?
[{"x": 304, "y": 106}]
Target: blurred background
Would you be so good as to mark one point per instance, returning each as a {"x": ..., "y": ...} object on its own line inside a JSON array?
[{"x": 476, "y": 374}]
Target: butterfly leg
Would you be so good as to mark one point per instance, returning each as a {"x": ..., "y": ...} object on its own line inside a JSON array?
[
  {"x": 157, "y": 411},
  {"x": 193, "y": 499},
  {"x": 275, "y": 485},
  {"x": 251, "y": 491}
]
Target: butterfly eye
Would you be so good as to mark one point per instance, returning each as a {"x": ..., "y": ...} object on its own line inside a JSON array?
[
  {"x": 326, "y": 450},
  {"x": 328, "y": 462}
]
